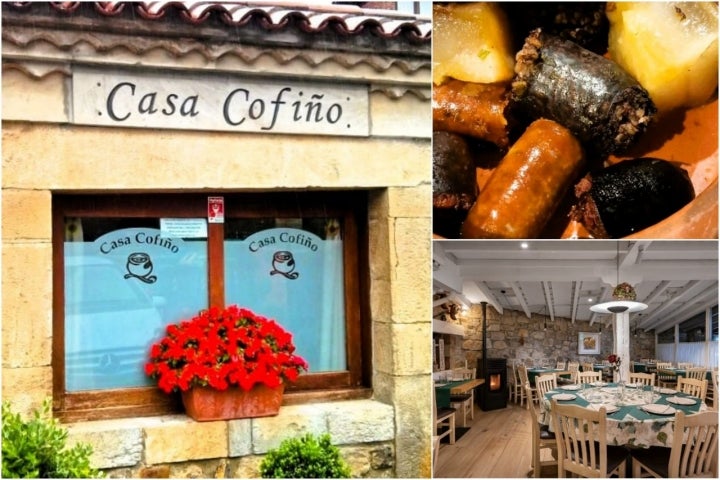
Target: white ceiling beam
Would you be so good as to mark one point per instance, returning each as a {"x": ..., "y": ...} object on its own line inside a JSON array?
[
  {"x": 692, "y": 307},
  {"x": 521, "y": 298},
  {"x": 547, "y": 291},
  {"x": 574, "y": 300},
  {"x": 689, "y": 290},
  {"x": 478, "y": 292}
]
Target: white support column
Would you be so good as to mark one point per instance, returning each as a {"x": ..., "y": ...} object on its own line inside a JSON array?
[{"x": 621, "y": 344}]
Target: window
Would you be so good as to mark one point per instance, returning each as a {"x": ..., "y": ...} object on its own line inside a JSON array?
[
  {"x": 693, "y": 329},
  {"x": 128, "y": 265},
  {"x": 668, "y": 336}
]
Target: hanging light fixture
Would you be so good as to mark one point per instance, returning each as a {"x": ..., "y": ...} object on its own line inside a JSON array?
[{"x": 623, "y": 295}]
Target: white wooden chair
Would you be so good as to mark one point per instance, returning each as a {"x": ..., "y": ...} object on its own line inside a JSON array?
[
  {"x": 589, "y": 377},
  {"x": 542, "y": 438},
  {"x": 696, "y": 373},
  {"x": 517, "y": 390},
  {"x": 531, "y": 394},
  {"x": 464, "y": 403},
  {"x": 665, "y": 379},
  {"x": 443, "y": 417},
  {"x": 691, "y": 386},
  {"x": 685, "y": 365},
  {"x": 714, "y": 391},
  {"x": 576, "y": 428},
  {"x": 587, "y": 367},
  {"x": 644, "y": 378},
  {"x": 694, "y": 451},
  {"x": 545, "y": 383}
]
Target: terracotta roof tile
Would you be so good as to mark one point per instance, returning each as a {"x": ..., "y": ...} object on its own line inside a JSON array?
[{"x": 312, "y": 18}]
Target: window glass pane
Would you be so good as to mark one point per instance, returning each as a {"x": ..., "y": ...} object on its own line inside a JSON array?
[
  {"x": 125, "y": 279},
  {"x": 668, "y": 336},
  {"x": 291, "y": 270},
  {"x": 693, "y": 329}
]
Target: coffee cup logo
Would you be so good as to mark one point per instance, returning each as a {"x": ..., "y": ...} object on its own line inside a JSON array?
[
  {"x": 283, "y": 264},
  {"x": 139, "y": 265}
]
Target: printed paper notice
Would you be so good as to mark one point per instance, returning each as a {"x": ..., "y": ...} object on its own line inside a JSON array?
[{"x": 183, "y": 227}]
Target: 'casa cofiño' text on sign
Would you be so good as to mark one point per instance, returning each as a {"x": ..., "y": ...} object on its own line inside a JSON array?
[{"x": 223, "y": 103}]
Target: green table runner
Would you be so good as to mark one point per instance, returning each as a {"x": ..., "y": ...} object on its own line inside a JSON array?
[{"x": 442, "y": 393}]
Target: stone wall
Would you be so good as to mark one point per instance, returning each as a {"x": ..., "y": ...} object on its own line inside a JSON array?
[{"x": 514, "y": 336}]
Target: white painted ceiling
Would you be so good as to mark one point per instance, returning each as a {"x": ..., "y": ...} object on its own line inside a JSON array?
[{"x": 563, "y": 278}]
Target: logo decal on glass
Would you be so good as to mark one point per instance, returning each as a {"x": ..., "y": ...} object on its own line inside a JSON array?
[
  {"x": 284, "y": 264},
  {"x": 140, "y": 266}
]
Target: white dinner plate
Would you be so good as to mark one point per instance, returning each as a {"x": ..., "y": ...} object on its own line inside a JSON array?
[
  {"x": 598, "y": 384},
  {"x": 564, "y": 396},
  {"x": 681, "y": 400},
  {"x": 571, "y": 387},
  {"x": 634, "y": 385},
  {"x": 608, "y": 408},
  {"x": 658, "y": 409},
  {"x": 665, "y": 391}
]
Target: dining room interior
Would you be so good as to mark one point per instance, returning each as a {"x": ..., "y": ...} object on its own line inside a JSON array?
[{"x": 530, "y": 337}]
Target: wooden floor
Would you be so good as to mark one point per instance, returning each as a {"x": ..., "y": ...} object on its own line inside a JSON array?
[{"x": 498, "y": 445}]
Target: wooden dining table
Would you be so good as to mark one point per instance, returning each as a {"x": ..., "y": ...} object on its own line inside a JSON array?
[{"x": 443, "y": 391}]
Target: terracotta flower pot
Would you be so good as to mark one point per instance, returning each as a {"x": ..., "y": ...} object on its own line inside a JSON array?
[{"x": 205, "y": 404}]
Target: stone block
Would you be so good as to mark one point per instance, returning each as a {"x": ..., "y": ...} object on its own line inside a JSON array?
[
  {"x": 112, "y": 447},
  {"x": 182, "y": 439},
  {"x": 415, "y": 202},
  {"x": 414, "y": 429},
  {"x": 246, "y": 467},
  {"x": 26, "y": 388},
  {"x": 240, "y": 437},
  {"x": 383, "y": 355},
  {"x": 410, "y": 348},
  {"x": 379, "y": 250},
  {"x": 26, "y": 304},
  {"x": 385, "y": 111},
  {"x": 33, "y": 99},
  {"x": 18, "y": 206},
  {"x": 411, "y": 274},
  {"x": 289, "y": 160},
  {"x": 292, "y": 421},
  {"x": 360, "y": 421}
]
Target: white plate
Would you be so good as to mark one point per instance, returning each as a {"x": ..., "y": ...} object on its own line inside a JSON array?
[
  {"x": 564, "y": 396},
  {"x": 608, "y": 408},
  {"x": 570, "y": 387},
  {"x": 598, "y": 384},
  {"x": 681, "y": 400},
  {"x": 634, "y": 385},
  {"x": 659, "y": 409},
  {"x": 665, "y": 391}
]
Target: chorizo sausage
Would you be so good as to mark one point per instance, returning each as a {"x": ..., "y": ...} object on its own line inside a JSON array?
[
  {"x": 473, "y": 109},
  {"x": 526, "y": 187}
]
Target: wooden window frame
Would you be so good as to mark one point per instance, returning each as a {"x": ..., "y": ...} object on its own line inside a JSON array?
[{"x": 146, "y": 401}]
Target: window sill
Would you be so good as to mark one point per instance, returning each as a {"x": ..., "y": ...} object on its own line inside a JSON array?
[{"x": 174, "y": 438}]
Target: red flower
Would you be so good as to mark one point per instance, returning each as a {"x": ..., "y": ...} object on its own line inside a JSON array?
[{"x": 224, "y": 347}]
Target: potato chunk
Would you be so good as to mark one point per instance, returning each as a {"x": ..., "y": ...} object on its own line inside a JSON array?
[
  {"x": 471, "y": 42},
  {"x": 671, "y": 48}
]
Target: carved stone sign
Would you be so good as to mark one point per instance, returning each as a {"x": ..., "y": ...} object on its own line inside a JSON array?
[{"x": 222, "y": 103}]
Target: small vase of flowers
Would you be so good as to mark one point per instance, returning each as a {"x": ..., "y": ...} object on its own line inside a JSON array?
[
  {"x": 624, "y": 291},
  {"x": 230, "y": 361}
]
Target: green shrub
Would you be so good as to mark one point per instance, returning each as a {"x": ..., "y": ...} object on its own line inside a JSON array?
[
  {"x": 305, "y": 457},
  {"x": 36, "y": 448}
]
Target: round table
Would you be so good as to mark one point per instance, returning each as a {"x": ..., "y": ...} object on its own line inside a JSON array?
[{"x": 630, "y": 425}]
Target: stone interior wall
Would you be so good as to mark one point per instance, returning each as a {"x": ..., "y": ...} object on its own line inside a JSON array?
[{"x": 514, "y": 336}]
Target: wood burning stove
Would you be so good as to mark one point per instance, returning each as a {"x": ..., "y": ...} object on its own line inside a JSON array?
[{"x": 494, "y": 392}]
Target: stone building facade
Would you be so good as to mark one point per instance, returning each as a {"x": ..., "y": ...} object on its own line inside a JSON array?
[{"x": 383, "y": 425}]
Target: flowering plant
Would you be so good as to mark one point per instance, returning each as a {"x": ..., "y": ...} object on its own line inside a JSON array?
[
  {"x": 223, "y": 347},
  {"x": 614, "y": 361},
  {"x": 624, "y": 291}
]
